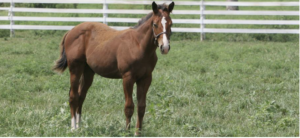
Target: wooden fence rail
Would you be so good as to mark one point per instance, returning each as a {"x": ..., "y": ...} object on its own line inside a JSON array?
[{"x": 106, "y": 19}]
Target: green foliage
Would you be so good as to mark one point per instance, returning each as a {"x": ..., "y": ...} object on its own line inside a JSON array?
[
  {"x": 4, "y": 33},
  {"x": 40, "y": 5},
  {"x": 272, "y": 115},
  {"x": 199, "y": 89}
]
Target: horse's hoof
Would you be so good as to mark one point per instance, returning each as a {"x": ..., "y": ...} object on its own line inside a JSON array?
[
  {"x": 73, "y": 129},
  {"x": 137, "y": 134}
]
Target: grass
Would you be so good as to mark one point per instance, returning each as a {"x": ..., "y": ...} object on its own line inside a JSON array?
[{"x": 198, "y": 89}]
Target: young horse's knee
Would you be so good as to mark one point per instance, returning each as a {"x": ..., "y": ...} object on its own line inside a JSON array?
[
  {"x": 129, "y": 109},
  {"x": 141, "y": 109},
  {"x": 73, "y": 99}
]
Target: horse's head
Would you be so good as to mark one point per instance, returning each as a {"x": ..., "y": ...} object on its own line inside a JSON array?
[{"x": 162, "y": 23}]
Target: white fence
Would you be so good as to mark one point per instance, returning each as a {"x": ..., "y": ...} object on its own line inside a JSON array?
[{"x": 105, "y": 19}]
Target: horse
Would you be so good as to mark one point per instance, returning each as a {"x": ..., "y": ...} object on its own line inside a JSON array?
[{"x": 94, "y": 48}]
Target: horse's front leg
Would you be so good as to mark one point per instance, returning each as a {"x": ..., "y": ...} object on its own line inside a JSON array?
[
  {"x": 142, "y": 88},
  {"x": 128, "y": 83}
]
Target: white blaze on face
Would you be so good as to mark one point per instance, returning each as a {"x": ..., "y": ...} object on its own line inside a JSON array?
[{"x": 165, "y": 45}]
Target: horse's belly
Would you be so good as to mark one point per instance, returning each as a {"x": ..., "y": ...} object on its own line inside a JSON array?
[
  {"x": 110, "y": 71},
  {"x": 104, "y": 64},
  {"x": 110, "y": 74}
]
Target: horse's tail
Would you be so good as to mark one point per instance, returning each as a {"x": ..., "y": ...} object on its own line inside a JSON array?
[{"x": 61, "y": 64}]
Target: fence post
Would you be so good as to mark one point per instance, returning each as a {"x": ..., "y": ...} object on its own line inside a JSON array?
[
  {"x": 11, "y": 15},
  {"x": 105, "y": 12},
  {"x": 202, "y": 18}
]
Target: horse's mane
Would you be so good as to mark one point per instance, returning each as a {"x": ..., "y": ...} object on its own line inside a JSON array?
[{"x": 163, "y": 7}]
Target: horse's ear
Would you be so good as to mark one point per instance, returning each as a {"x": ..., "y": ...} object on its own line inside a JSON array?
[
  {"x": 171, "y": 6},
  {"x": 154, "y": 7}
]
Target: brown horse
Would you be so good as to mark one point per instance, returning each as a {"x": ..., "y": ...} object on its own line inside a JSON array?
[{"x": 129, "y": 54}]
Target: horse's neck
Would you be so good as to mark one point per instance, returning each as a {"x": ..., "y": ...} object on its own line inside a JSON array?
[{"x": 147, "y": 39}]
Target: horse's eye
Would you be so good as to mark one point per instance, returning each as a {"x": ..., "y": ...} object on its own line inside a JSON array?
[{"x": 155, "y": 25}]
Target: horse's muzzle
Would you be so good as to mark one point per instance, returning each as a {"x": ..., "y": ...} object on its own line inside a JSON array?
[{"x": 164, "y": 49}]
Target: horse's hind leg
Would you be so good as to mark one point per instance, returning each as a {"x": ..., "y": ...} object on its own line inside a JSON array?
[
  {"x": 86, "y": 81},
  {"x": 76, "y": 70}
]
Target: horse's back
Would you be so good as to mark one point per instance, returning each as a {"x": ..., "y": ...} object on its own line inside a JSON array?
[
  {"x": 97, "y": 45},
  {"x": 86, "y": 36},
  {"x": 91, "y": 29}
]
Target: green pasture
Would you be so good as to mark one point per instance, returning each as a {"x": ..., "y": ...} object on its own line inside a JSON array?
[{"x": 198, "y": 89}]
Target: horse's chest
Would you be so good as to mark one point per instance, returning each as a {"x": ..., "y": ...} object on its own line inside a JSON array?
[{"x": 141, "y": 68}]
